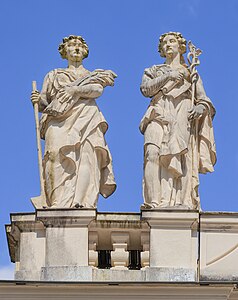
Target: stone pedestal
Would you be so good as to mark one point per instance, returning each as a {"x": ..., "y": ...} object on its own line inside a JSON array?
[
  {"x": 66, "y": 236},
  {"x": 173, "y": 244},
  {"x": 66, "y": 251},
  {"x": 51, "y": 244}
]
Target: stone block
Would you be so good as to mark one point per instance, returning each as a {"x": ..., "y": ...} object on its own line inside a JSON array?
[
  {"x": 66, "y": 273},
  {"x": 170, "y": 274},
  {"x": 66, "y": 236},
  {"x": 32, "y": 254},
  {"x": 173, "y": 238},
  {"x": 26, "y": 239},
  {"x": 118, "y": 275},
  {"x": 27, "y": 275}
]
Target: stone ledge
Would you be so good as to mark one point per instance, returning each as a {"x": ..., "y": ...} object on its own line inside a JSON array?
[
  {"x": 75, "y": 273},
  {"x": 215, "y": 276},
  {"x": 66, "y": 213},
  {"x": 219, "y": 221},
  {"x": 170, "y": 274}
]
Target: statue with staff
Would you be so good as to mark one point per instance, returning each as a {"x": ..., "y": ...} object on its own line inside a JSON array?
[
  {"x": 177, "y": 128},
  {"x": 77, "y": 164}
]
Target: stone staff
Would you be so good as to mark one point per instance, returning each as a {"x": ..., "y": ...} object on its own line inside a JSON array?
[
  {"x": 42, "y": 197},
  {"x": 194, "y": 61}
]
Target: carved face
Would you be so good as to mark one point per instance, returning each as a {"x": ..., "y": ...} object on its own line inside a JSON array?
[
  {"x": 75, "y": 50},
  {"x": 170, "y": 46}
]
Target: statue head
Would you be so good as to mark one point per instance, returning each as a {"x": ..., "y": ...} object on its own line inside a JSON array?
[
  {"x": 73, "y": 38},
  {"x": 181, "y": 41}
]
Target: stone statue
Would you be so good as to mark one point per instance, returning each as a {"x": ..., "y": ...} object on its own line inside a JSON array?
[
  {"x": 178, "y": 134},
  {"x": 77, "y": 164}
]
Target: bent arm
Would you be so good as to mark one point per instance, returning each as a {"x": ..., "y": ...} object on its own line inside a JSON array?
[
  {"x": 151, "y": 86},
  {"x": 45, "y": 92},
  {"x": 89, "y": 91}
]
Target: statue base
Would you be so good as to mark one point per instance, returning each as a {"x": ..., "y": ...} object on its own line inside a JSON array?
[{"x": 153, "y": 245}]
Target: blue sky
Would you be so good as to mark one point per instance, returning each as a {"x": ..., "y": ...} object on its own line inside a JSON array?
[{"x": 122, "y": 35}]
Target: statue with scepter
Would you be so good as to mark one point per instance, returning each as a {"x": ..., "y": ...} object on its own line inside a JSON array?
[{"x": 177, "y": 127}]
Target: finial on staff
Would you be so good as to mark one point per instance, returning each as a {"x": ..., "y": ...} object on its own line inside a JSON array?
[{"x": 193, "y": 61}]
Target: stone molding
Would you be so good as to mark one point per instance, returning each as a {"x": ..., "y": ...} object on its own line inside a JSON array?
[
  {"x": 217, "y": 221},
  {"x": 66, "y": 217},
  {"x": 164, "y": 218},
  {"x": 118, "y": 291}
]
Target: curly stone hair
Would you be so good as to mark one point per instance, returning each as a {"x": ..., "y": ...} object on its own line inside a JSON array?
[
  {"x": 181, "y": 40},
  {"x": 63, "y": 45}
]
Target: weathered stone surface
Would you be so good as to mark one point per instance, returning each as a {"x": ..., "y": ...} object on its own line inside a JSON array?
[
  {"x": 118, "y": 275},
  {"x": 27, "y": 245},
  {"x": 26, "y": 275},
  {"x": 66, "y": 273},
  {"x": 66, "y": 236},
  {"x": 170, "y": 274}
]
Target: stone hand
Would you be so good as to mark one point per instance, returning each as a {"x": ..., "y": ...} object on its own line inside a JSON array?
[
  {"x": 197, "y": 112},
  {"x": 176, "y": 75},
  {"x": 103, "y": 77},
  {"x": 72, "y": 90},
  {"x": 35, "y": 97}
]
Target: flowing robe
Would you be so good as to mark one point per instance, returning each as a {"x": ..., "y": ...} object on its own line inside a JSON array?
[
  {"x": 75, "y": 147},
  {"x": 185, "y": 147}
]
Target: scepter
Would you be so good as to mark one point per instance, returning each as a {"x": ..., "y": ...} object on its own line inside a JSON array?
[
  {"x": 42, "y": 198},
  {"x": 193, "y": 61}
]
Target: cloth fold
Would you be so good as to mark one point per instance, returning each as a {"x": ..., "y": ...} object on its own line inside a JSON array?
[{"x": 74, "y": 144}]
